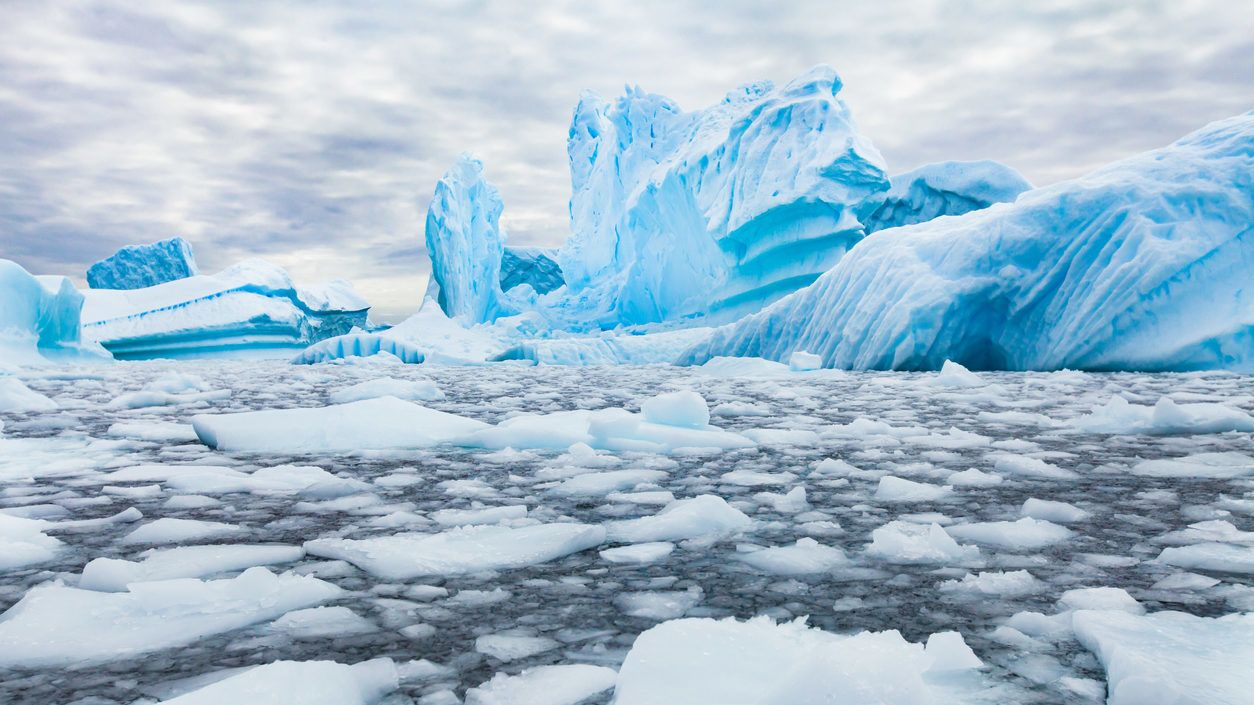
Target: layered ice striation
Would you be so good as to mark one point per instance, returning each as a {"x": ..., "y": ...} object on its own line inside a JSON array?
[
  {"x": 141, "y": 266},
  {"x": 946, "y": 188},
  {"x": 534, "y": 266},
  {"x": 250, "y": 308},
  {"x": 465, "y": 242},
  {"x": 714, "y": 212},
  {"x": 1143, "y": 264},
  {"x": 39, "y": 318}
]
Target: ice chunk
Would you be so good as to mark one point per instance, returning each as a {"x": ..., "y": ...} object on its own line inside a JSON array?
[
  {"x": 1164, "y": 417},
  {"x": 40, "y": 319},
  {"x": 804, "y": 557},
  {"x": 304, "y": 682},
  {"x": 544, "y": 685},
  {"x": 1142, "y": 264},
  {"x": 321, "y": 622},
  {"x": 973, "y": 477},
  {"x": 54, "y": 625},
  {"x": 1219, "y": 466},
  {"x": 473, "y": 517},
  {"x": 17, "y": 398},
  {"x": 726, "y": 662},
  {"x": 802, "y": 361},
  {"x": 1026, "y": 466},
  {"x": 252, "y": 308},
  {"x": 409, "y": 390},
  {"x": 471, "y": 549},
  {"x": 949, "y": 652},
  {"x": 1210, "y": 555},
  {"x": 1053, "y": 511},
  {"x": 139, "y": 266},
  {"x": 386, "y": 422},
  {"x": 1168, "y": 658},
  {"x": 602, "y": 483},
  {"x": 170, "y": 530},
  {"x": 155, "y": 431},
  {"x": 946, "y": 188},
  {"x": 511, "y": 647},
  {"x": 706, "y": 517},
  {"x": 907, "y": 543},
  {"x": 1012, "y": 584},
  {"x": 23, "y": 543},
  {"x": 954, "y": 375},
  {"x": 1100, "y": 598},
  {"x": 658, "y": 604},
  {"x": 686, "y": 408},
  {"x": 897, "y": 489},
  {"x": 638, "y": 553},
  {"x": 1024, "y": 534},
  {"x": 113, "y": 575}
]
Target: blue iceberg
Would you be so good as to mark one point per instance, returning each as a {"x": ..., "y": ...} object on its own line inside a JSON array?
[
  {"x": 39, "y": 319},
  {"x": 946, "y": 188},
  {"x": 140, "y": 266},
  {"x": 1141, "y": 265},
  {"x": 252, "y": 308}
]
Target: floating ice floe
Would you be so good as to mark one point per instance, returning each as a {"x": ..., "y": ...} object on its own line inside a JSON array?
[
  {"x": 55, "y": 625},
  {"x": 470, "y": 549},
  {"x": 907, "y": 543},
  {"x": 17, "y": 398},
  {"x": 897, "y": 489},
  {"x": 23, "y": 542},
  {"x": 1025, "y": 534},
  {"x": 705, "y": 517},
  {"x": 113, "y": 574},
  {"x": 567, "y": 684},
  {"x": 409, "y": 390},
  {"x": 804, "y": 557},
  {"x": 727, "y": 662},
  {"x": 304, "y": 682},
  {"x": 1216, "y": 466},
  {"x": 1169, "y": 658},
  {"x": 1165, "y": 417},
  {"x": 171, "y": 530}
]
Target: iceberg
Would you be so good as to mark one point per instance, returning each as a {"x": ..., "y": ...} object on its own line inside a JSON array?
[
  {"x": 946, "y": 188},
  {"x": 466, "y": 245},
  {"x": 39, "y": 319},
  {"x": 250, "y": 308},
  {"x": 534, "y": 266},
  {"x": 1141, "y": 265},
  {"x": 142, "y": 266},
  {"x": 714, "y": 212}
]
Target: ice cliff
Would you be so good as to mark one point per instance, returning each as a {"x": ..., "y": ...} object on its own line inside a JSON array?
[
  {"x": 465, "y": 243},
  {"x": 1143, "y": 264},
  {"x": 946, "y": 188},
  {"x": 140, "y": 266}
]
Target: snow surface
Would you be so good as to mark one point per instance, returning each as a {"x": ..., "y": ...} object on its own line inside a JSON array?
[
  {"x": 141, "y": 266},
  {"x": 1143, "y": 264}
]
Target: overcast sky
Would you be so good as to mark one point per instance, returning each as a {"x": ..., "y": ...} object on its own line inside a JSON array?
[{"x": 312, "y": 133}]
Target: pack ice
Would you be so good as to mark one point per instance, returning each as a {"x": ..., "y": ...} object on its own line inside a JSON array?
[
  {"x": 142, "y": 266},
  {"x": 252, "y": 308},
  {"x": 1143, "y": 264}
]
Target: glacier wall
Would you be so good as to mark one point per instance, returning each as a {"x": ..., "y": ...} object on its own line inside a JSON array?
[
  {"x": 252, "y": 308},
  {"x": 716, "y": 212},
  {"x": 39, "y": 319},
  {"x": 1141, "y": 265},
  {"x": 140, "y": 266},
  {"x": 946, "y": 188},
  {"x": 465, "y": 242}
]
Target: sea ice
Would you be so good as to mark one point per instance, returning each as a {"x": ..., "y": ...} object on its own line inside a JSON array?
[
  {"x": 704, "y": 517},
  {"x": 304, "y": 682},
  {"x": 567, "y": 684}
]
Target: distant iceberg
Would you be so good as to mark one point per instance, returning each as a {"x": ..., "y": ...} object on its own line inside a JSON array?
[
  {"x": 141, "y": 266},
  {"x": 1141, "y": 265},
  {"x": 251, "y": 308},
  {"x": 39, "y": 319},
  {"x": 946, "y": 188}
]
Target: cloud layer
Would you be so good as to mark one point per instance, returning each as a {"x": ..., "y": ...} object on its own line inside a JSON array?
[{"x": 312, "y": 133}]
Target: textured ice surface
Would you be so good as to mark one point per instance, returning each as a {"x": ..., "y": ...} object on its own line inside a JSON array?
[
  {"x": 304, "y": 682},
  {"x": 823, "y": 442},
  {"x": 544, "y": 685},
  {"x": 465, "y": 242},
  {"x": 946, "y": 188},
  {"x": 39, "y": 319},
  {"x": 534, "y": 266},
  {"x": 140, "y": 266},
  {"x": 250, "y": 308},
  {"x": 1143, "y": 264}
]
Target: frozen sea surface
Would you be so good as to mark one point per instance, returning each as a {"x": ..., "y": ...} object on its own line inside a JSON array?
[{"x": 1047, "y": 506}]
